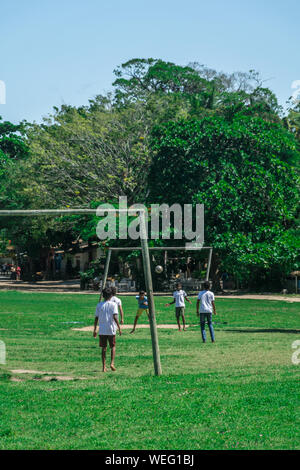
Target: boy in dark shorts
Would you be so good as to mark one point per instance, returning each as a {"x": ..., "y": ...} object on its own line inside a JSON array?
[
  {"x": 107, "y": 316},
  {"x": 179, "y": 299}
]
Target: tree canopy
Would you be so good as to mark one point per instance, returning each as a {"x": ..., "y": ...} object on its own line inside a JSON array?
[{"x": 167, "y": 133}]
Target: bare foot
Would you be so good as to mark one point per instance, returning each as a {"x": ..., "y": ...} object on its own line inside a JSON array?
[
  {"x": 104, "y": 369},
  {"x": 113, "y": 367},
  {"x": 132, "y": 331},
  {"x": 179, "y": 329}
]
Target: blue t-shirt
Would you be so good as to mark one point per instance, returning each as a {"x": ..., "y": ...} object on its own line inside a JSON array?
[{"x": 141, "y": 301}]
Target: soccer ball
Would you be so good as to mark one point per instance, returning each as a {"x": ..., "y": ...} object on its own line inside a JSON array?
[{"x": 159, "y": 269}]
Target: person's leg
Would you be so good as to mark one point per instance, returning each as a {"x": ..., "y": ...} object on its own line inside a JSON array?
[
  {"x": 104, "y": 359},
  {"x": 183, "y": 319},
  {"x": 138, "y": 314},
  {"x": 103, "y": 345},
  {"x": 112, "y": 344},
  {"x": 202, "y": 325},
  {"x": 210, "y": 326},
  {"x": 177, "y": 314},
  {"x": 112, "y": 358}
]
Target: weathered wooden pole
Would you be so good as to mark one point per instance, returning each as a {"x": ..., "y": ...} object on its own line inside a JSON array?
[{"x": 150, "y": 296}]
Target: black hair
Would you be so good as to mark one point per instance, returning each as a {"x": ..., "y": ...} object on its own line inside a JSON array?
[
  {"x": 206, "y": 285},
  {"x": 142, "y": 292},
  {"x": 113, "y": 290},
  {"x": 178, "y": 284},
  {"x": 107, "y": 293}
]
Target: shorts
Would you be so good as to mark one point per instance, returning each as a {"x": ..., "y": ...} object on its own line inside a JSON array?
[
  {"x": 141, "y": 310},
  {"x": 104, "y": 338},
  {"x": 179, "y": 312}
]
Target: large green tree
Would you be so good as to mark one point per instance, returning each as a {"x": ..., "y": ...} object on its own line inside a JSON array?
[{"x": 240, "y": 170}]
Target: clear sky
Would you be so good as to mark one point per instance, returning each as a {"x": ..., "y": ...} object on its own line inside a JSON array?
[{"x": 64, "y": 51}]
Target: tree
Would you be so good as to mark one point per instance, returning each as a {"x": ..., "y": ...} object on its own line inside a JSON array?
[
  {"x": 13, "y": 149},
  {"x": 240, "y": 170}
]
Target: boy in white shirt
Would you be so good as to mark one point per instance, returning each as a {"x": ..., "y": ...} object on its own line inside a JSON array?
[
  {"x": 206, "y": 299},
  {"x": 107, "y": 316},
  {"x": 118, "y": 302},
  {"x": 179, "y": 299}
]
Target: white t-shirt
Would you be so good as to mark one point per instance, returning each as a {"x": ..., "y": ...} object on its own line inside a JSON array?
[
  {"x": 116, "y": 300},
  {"x": 206, "y": 297},
  {"x": 105, "y": 312},
  {"x": 179, "y": 296}
]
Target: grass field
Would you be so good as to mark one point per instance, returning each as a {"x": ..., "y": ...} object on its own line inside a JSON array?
[{"x": 241, "y": 392}]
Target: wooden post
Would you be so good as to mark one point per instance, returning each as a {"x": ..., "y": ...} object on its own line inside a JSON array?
[
  {"x": 208, "y": 265},
  {"x": 149, "y": 289},
  {"x": 104, "y": 279}
]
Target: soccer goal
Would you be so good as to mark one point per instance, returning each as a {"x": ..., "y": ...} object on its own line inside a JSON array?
[{"x": 165, "y": 250}]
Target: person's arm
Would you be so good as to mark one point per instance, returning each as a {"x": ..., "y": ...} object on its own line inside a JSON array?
[
  {"x": 197, "y": 308},
  {"x": 188, "y": 300},
  {"x": 170, "y": 303},
  {"x": 95, "y": 327},
  {"x": 122, "y": 314},
  {"x": 118, "y": 324},
  {"x": 214, "y": 307}
]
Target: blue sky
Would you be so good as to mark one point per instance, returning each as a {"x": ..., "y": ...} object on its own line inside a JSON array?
[{"x": 64, "y": 51}]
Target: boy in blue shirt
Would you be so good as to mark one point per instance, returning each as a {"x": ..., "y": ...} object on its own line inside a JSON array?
[{"x": 142, "y": 307}]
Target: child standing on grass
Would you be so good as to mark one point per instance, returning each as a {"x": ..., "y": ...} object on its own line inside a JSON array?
[
  {"x": 118, "y": 302},
  {"x": 142, "y": 307},
  {"x": 206, "y": 299},
  {"x": 179, "y": 299},
  {"x": 107, "y": 316}
]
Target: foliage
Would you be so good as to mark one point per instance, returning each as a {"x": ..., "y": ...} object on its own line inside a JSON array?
[
  {"x": 218, "y": 138},
  {"x": 240, "y": 171}
]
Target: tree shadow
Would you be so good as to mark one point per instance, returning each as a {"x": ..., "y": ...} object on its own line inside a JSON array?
[{"x": 262, "y": 330}]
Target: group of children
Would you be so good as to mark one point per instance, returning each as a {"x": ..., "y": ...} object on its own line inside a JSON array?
[{"x": 107, "y": 313}]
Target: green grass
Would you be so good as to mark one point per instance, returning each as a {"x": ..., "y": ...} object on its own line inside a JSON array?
[{"x": 240, "y": 393}]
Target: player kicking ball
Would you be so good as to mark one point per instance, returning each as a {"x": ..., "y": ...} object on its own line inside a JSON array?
[
  {"x": 107, "y": 316},
  {"x": 179, "y": 299},
  {"x": 142, "y": 307}
]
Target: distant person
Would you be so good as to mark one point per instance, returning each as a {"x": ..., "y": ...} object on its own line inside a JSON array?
[
  {"x": 13, "y": 274},
  {"x": 179, "y": 299},
  {"x": 206, "y": 300},
  {"x": 107, "y": 316},
  {"x": 118, "y": 302},
  {"x": 18, "y": 273},
  {"x": 142, "y": 307}
]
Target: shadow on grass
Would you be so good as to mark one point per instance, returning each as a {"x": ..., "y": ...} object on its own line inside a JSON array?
[{"x": 262, "y": 330}]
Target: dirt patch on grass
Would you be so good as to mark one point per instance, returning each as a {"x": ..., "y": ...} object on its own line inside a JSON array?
[{"x": 44, "y": 376}]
